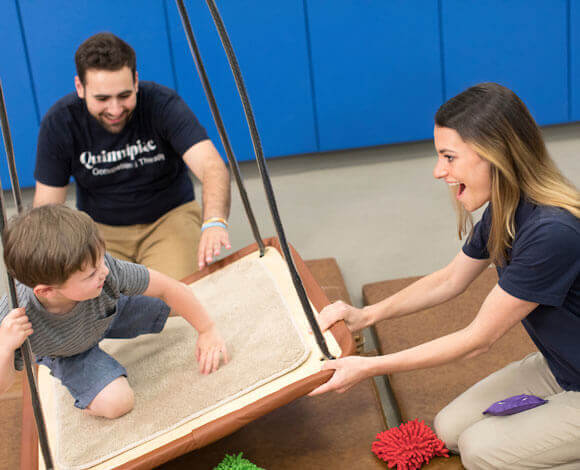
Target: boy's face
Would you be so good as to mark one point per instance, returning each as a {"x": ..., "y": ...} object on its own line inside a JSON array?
[{"x": 85, "y": 284}]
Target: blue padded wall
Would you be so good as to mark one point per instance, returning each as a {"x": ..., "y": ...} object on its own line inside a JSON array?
[
  {"x": 518, "y": 43},
  {"x": 52, "y": 48},
  {"x": 376, "y": 68},
  {"x": 320, "y": 76},
  {"x": 269, "y": 40},
  {"x": 574, "y": 55},
  {"x": 20, "y": 104}
]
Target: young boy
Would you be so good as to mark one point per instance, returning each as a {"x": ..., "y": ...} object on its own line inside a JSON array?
[{"x": 73, "y": 295}]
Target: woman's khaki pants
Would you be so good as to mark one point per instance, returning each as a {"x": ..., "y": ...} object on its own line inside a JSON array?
[{"x": 547, "y": 436}]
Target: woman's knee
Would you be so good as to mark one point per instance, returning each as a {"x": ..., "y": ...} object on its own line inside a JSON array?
[
  {"x": 477, "y": 450},
  {"x": 114, "y": 401},
  {"x": 447, "y": 429}
]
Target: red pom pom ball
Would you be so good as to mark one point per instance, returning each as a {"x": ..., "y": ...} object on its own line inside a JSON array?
[{"x": 409, "y": 446}]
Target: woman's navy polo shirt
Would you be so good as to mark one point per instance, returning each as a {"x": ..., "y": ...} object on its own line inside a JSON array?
[{"x": 543, "y": 266}]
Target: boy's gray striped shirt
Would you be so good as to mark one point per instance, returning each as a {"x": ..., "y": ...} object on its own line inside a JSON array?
[{"x": 85, "y": 325}]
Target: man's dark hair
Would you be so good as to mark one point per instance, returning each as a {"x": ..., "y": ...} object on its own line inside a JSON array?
[{"x": 104, "y": 51}]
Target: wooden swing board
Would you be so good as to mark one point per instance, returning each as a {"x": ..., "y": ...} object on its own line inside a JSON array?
[{"x": 234, "y": 414}]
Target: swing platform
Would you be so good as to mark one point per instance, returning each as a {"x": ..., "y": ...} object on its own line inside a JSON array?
[{"x": 300, "y": 419}]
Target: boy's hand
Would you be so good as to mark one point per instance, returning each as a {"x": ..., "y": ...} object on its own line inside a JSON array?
[
  {"x": 210, "y": 346},
  {"x": 14, "y": 329}
]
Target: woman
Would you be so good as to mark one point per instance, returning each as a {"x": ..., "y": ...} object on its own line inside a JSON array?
[{"x": 490, "y": 149}]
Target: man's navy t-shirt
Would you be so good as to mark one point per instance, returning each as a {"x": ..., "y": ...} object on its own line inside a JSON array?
[
  {"x": 543, "y": 266},
  {"x": 132, "y": 177}
]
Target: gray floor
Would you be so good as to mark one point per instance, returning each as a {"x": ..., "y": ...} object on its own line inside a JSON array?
[{"x": 378, "y": 211}]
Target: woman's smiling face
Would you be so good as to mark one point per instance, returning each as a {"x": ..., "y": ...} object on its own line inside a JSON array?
[{"x": 460, "y": 166}]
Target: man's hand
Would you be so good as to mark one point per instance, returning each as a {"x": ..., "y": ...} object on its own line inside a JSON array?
[
  {"x": 355, "y": 318},
  {"x": 348, "y": 372},
  {"x": 209, "y": 349},
  {"x": 14, "y": 329},
  {"x": 208, "y": 167},
  {"x": 210, "y": 243}
]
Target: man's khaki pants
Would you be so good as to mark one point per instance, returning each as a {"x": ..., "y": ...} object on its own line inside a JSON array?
[{"x": 168, "y": 245}]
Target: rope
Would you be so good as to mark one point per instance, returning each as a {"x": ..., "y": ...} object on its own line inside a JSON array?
[
  {"x": 219, "y": 123},
  {"x": 264, "y": 172},
  {"x": 25, "y": 348}
]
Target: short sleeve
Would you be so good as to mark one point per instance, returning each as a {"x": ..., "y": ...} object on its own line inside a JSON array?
[
  {"x": 128, "y": 278},
  {"x": 180, "y": 126},
  {"x": 544, "y": 264},
  {"x": 53, "y": 152},
  {"x": 476, "y": 245}
]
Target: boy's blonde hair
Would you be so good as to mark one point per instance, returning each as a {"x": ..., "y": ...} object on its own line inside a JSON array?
[{"x": 47, "y": 244}]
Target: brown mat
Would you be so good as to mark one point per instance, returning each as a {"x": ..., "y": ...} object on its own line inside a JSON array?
[
  {"x": 421, "y": 394},
  {"x": 327, "y": 432},
  {"x": 10, "y": 430}
]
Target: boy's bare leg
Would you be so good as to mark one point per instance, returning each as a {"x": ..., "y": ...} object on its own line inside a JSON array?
[{"x": 115, "y": 400}]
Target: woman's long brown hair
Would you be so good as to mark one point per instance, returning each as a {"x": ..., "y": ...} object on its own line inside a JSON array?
[{"x": 499, "y": 127}]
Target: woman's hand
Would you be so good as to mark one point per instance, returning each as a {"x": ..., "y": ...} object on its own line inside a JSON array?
[
  {"x": 14, "y": 329},
  {"x": 348, "y": 371},
  {"x": 355, "y": 318},
  {"x": 209, "y": 349}
]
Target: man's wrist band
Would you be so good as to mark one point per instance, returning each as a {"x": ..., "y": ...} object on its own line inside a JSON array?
[
  {"x": 216, "y": 219},
  {"x": 213, "y": 224}
]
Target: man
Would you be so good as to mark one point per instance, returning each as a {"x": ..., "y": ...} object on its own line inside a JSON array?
[{"x": 128, "y": 146}]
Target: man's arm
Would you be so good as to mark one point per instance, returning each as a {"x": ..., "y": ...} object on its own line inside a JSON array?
[
  {"x": 44, "y": 194},
  {"x": 206, "y": 164}
]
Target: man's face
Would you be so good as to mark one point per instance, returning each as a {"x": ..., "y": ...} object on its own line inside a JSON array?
[{"x": 111, "y": 96}]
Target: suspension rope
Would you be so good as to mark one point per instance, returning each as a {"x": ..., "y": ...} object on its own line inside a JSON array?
[
  {"x": 219, "y": 123},
  {"x": 25, "y": 349},
  {"x": 263, "y": 171}
]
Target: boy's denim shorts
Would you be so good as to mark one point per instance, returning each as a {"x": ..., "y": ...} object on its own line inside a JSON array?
[{"x": 87, "y": 373}]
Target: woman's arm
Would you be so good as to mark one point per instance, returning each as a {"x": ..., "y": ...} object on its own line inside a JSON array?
[
  {"x": 426, "y": 292},
  {"x": 499, "y": 312},
  {"x": 431, "y": 290}
]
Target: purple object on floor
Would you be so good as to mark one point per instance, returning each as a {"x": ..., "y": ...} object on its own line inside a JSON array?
[{"x": 515, "y": 404}]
